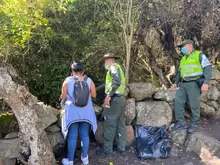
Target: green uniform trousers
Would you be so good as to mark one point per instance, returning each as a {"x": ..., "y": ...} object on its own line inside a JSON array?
[
  {"x": 188, "y": 91},
  {"x": 114, "y": 124}
]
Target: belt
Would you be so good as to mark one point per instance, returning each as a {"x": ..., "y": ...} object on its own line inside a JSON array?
[
  {"x": 183, "y": 81},
  {"x": 116, "y": 95}
]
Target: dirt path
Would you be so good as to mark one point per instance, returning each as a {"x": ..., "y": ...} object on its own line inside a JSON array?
[
  {"x": 132, "y": 159},
  {"x": 210, "y": 127}
]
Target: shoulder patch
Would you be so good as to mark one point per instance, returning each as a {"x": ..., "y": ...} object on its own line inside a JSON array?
[
  {"x": 114, "y": 69},
  {"x": 205, "y": 62}
]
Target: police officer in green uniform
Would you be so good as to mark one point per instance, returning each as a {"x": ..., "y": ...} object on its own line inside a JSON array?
[
  {"x": 114, "y": 119},
  {"x": 193, "y": 76}
]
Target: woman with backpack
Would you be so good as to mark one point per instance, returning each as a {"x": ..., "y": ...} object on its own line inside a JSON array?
[{"x": 78, "y": 114}]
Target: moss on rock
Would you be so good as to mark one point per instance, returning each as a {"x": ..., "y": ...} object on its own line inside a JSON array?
[{"x": 8, "y": 123}]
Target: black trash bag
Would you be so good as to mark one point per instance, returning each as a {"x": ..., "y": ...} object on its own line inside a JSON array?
[{"x": 152, "y": 142}]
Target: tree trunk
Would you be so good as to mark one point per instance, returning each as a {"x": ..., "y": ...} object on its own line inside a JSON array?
[
  {"x": 14, "y": 91},
  {"x": 128, "y": 59},
  {"x": 193, "y": 24},
  {"x": 143, "y": 25},
  {"x": 126, "y": 21},
  {"x": 168, "y": 41},
  {"x": 158, "y": 71}
]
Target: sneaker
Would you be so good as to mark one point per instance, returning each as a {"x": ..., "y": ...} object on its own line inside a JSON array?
[
  {"x": 65, "y": 161},
  {"x": 179, "y": 126},
  {"x": 85, "y": 160},
  {"x": 192, "y": 129},
  {"x": 101, "y": 152}
]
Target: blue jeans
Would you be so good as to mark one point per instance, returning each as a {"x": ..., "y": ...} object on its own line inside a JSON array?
[{"x": 83, "y": 128}]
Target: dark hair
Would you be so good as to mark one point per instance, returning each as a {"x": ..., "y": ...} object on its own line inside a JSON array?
[{"x": 77, "y": 66}]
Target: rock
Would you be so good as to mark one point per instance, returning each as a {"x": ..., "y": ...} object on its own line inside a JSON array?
[
  {"x": 59, "y": 120},
  {"x": 8, "y": 123},
  {"x": 179, "y": 137},
  {"x": 213, "y": 82},
  {"x": 99, "y": 135},
  {"x": 213, "y": 104},
  {"x": 126, "y": 91},
  {"x": 204, "y": 97},
  {"x": 130, "y": 135},
  {"x": 215, "y": 74},
  {"x": 188, "y": 114},
  {"x": 9, "y": 148},
  {"x": 100, "y": 90},
  {"x": 47, "y": 114},
  {"x": 14, "y": 90},
  {"x": 213, "y": 94},
  {"x": 10, "y": 161},
  {"x": 11, "y": 135},
  {"x": 141, "y": 91},
  {"x": 218, "y": 86},
  {"x": 206, "y": 110},
  {"x": 2, "y": 160},
  {"x": 56, "y": 141},
  {"x": 53, "y": 128},
  {"x": 217, "y": 114},
  {"x": 98, "y": 109},
  {"x": 208, "y": 158},
  {"x": 171, "y": 104},
  {"x": 189, "y": 163},
  {"x": 130, "y": 112},
  {"x": 197, "y": 141},
  {"x": 218, "y": 101},
  {"x": 7, "y": 161},
  {"x": 153, "y": 113},
  {"x": 165, "y": 95},
  {"x": 174, "y": 151}
]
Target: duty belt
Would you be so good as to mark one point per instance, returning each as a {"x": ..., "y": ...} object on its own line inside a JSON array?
[{"x": 184, "y": 81}]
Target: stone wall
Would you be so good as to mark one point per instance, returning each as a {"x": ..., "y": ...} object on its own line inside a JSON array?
[
  {"x": 145, "y": 105},
  {"x": 148, "y": 105}
]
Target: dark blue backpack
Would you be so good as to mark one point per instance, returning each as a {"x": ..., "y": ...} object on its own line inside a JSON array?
[{"x": 81, "y": 92}]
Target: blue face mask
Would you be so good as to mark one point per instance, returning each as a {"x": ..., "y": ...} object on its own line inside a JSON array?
[
  {"x": 183, "y": 50},
  {"x": 106, "y": 66}
]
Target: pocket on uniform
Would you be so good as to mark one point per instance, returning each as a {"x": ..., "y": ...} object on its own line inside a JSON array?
[
  {"x": 200, "y": 82},
  {"x": 110, "y": 120},
  {"x": 115, "y": 99}
]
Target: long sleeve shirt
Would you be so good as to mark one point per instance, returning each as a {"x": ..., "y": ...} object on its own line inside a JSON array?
[
  {"x": 116, "y": 79},
  {"x": 207, "y": 70}
]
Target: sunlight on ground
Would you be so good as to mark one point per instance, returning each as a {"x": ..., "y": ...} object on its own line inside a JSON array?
[{"x": 208, "y": 158}]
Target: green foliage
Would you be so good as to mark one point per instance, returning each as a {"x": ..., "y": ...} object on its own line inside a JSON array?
[
  {"x": 218, "y": 65},
  {"x": 41, "y": 38},
  {"x": 3, "y": 106},
  {"x": 19, "y": 19},
  {"x": 6, "y": 119},
  {"x": 8, "y": 123},
  {"x": 45, "y": 61}
]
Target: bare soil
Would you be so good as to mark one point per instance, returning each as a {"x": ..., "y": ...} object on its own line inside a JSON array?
[{"x": 210, "y": 126}]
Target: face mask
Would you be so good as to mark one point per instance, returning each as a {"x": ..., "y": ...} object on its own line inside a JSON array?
[
  {"x": 106, "y": 66},
  {"x": 183, "y": 50}
]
